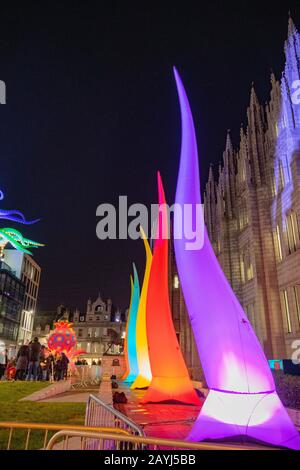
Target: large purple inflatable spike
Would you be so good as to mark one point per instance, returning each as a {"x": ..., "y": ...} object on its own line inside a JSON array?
[{"x": 242, "y": 400}]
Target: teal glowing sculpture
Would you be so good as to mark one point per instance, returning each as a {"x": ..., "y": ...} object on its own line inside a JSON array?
[{"x": 132, "y": 359}]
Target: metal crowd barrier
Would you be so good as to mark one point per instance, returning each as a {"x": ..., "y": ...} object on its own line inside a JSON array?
[
  {"x": 121, "y": 441},
  {"x": 98, "y": 413},
  {"x": 86, "y": 375},
  {"x": 44, "y": 430}
]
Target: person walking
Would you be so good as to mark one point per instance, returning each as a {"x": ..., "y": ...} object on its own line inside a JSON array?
[
  {"x": 34, "y": 358},
  {"x": 22, "y": 362}
]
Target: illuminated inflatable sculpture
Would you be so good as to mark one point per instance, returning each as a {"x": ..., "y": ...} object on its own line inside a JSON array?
[
  {"x": 130, "y": 348},
  {"x": 170, "y": 378},
  {"x": 127, "y": 368},
  {"x": 144, "y": 377},
  {"x": 242, "y": 400},
  {"x": 12, "y": 236},
  {"x": 63, "y": 338}
]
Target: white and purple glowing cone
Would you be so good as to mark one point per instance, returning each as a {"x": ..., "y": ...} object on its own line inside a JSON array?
[{"x": 242, "y": 400}]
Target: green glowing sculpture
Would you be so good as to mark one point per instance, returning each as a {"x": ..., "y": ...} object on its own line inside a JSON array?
[{"x": 13, "y": 236}]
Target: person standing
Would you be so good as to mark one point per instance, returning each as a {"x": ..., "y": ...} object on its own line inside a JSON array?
[
  {"x": 50, "y": 366},
  {"x": 34, "y": 358},
  {"x": 64, "y": 366},
  {"x": 2, "y": 362},
  {"x": 22, "y": 362},
  {"x": 42, "y": 364}
]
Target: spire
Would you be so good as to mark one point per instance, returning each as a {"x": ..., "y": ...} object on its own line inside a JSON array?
[
  {"x": 228, "y": 147},
  {"x": 291, "y": 26},
  {"x": 253, "y": 96},
  {"x": 211, "y": 174}
]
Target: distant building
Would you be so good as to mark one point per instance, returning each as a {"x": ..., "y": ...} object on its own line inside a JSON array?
[
  {"x": 252, "y": 214},
  {"x": 44, "y": 321},
  {"x": 12, "y": 294},
  {"x": 99, "y": 329},
  {"x": 29, "y": 272}
]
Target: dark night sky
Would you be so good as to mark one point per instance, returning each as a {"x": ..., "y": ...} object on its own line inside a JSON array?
[{"x": 92, "y": 113}]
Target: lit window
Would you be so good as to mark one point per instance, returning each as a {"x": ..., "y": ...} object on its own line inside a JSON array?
[
  {"x": 276, "y": 129},
  {"x": 243, "y": 215},
  {"x": 281, "y": 175},
  {"x": 242, "y": 266},
  {"x": 287, "y": 311},
  {"x": 176, "y": 282},
  {"x": 277, "y": 243},
  {"x": 297, "y": 304},
  {"x": 292, "y": 230},
  {"x": 250, "y": 274},
  {"x": 246, "y": 266},
  {"x": 250, "y": 314},
  {"x": 243, "y": 171}
]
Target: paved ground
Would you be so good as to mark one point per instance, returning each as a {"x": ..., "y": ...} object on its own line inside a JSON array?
[
  {"x": 161, "y": 420},
  {"x": 74, "y": 396}
]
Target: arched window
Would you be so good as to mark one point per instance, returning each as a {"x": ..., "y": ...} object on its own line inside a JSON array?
[{"x": 292, "y": 231}]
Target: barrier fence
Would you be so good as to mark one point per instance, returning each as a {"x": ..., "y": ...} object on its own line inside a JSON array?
[
  {"x": 86, "y": 375},
  {"x": 98, "y": 413}
]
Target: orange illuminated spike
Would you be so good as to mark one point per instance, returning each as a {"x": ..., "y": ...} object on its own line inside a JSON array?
[
  {"x": 170, "y": 378},
  {"x": 127, "y": 368},
  {"x": 144, "y": 378}
]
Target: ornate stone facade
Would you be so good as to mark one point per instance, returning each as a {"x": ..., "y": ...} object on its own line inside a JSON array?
[
  {"x": 252, "y": 214},
  {"x": 98, "y": 328}
]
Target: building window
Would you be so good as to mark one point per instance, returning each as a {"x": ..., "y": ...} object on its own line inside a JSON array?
[
  {"x": 250, "y": 314},
  {"x": 276, "y": 129},
  {"x": 88, "y": 347},
  {"x": 277, "y": 243},
  {"x": 287, "y": 311},
  {"x": 243, "y": 215},
  {"x": 287, "y": 169},
  {"x": 242, "y": 267},
  {"x": 247, "y": 272},
  {"x": 273, "y": 186},
  {"x": 219, "y": 244},
  {"x": 292, "y": 231},
  {"x": 243, "y": 171},
  {"x": 297, "y": 304},
  {"x": 176, "y": 282},
  {"x": 90, "y": 332},
  {"x": 281, "y": 176},
  {"x": 80, "y": 333}
]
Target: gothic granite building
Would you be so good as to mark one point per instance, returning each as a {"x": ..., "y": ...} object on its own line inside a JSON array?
[{"x": 252, "y": 213}]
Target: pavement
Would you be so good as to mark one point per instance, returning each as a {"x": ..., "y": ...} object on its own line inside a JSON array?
[{"x": 158, "y": 420}]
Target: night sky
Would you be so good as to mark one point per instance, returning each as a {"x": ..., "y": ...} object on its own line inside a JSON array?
[{"x": 92, "y": 113}]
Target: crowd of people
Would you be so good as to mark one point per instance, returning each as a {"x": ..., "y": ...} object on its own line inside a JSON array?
[{"x": 35, "y": 362}]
